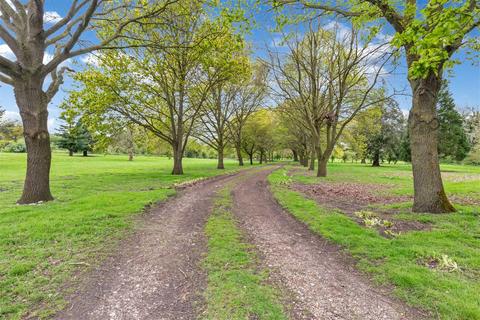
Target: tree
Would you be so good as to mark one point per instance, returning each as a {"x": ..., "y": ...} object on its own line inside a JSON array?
[
  {"x": 229, "y": 70},
  {"x": 29, "y": 36},
  {"x": 162, "y": 87},
  {"x": 385, "y": 141},
  {"x": 10, "y": 130},
  {"x": 248, "y": 97},
  {"x": 429, "y": 35},
  {"x": 452, "y": 138},
  {"x": 258, "y": 135},
  {"x": 472, "y": 126},
  {"x": 74, "y": 137},
  {"x": 326, "y": 80}
]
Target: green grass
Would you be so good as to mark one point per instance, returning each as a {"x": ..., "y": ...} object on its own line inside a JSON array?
[
  {"x": 43, "y": 246},
  {"x": 397, "y": 261},
  {"x": 237, "y": 288}
]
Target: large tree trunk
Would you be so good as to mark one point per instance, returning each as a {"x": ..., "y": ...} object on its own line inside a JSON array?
[
  {"x": 251, "y": 158},
  {"x": 376, "y": 160},
  {"x": 85, "y": 153},
  {"x": 220, "y": 164},
  {"x": 130, "y": 155},
  {"x": 301, "y": 158},
  {"x": 70, "y": 153},
  {"x": 429, "y": 195},
  {"x": 295, "y": 155},
  {"x": 177, "y": 160},
  {"x": 239, "y": 155},
  {"x": 32, "y": 102},
  {"x": 305, "y": 159},
  {"x": 322, "y": 166},
  {"x": 323, "y": 160}
]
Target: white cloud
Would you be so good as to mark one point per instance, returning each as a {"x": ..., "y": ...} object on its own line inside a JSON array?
[
  {"x": 47, "y": 57},
  {"x": 6, "y": 52},
  {"x": 51, "y": 124},
  {"x": 12, "y": 115},
  {"x": 382, "y": 37},
  {"x": 341, "y": 30},
  {"x": 15, "y": 116},
  {"x": 51, "y": 17},
  {"x": 90, "y": 59}
]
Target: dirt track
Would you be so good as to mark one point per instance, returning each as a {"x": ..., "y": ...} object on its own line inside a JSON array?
[
  {"x": 322, "y": 279},
  {"x": 156, "y": 274}
]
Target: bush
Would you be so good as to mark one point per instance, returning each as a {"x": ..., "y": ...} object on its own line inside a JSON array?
[{"x": 15, "y": 147}]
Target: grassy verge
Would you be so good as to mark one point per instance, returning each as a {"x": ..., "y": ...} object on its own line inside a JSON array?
[
  {"x": 236, "y": 287},
  {"x": 42, "y": 247},
  {"x": 447, "y": 292}
]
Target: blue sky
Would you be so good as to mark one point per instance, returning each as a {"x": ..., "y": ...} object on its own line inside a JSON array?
[{"x": 464, "y": 81}]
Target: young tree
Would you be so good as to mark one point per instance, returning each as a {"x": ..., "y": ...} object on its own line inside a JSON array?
[
  {"x": 29, "y": 36},
  {"x": 430, "y": 33},
  {"x": 452, "y": 138}
]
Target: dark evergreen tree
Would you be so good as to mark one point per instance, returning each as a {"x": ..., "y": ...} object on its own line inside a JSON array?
[
  {"x": 405, "y": 151},
  {"x": 453, "y": 141},
  {"x": 75, "y": 138}
]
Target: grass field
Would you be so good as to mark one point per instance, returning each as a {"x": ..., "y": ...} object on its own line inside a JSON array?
[
  {"x": 436, "y": 269},
  {"x": 42, "y": 246}
]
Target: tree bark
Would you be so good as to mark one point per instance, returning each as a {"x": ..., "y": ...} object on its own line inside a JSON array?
[
  {"x": 130, "y": 155},
  {"x": 85, "y": 153},
  {"x": 70, "y": 153},
  {"x": 251, "y": 158},
  {"x": 305, "y": 159},
  {"x": 32, "y": 102},
  {"x": 220, "y": 164},
  {"x": 239, "y": 155},
  {"x": 429, "y": 194},
  {"x": 376, "y": 160},
  {"x": 312, "y": 161},
  {"x": 322, "y": 167},
  {"x": 295, "y": 155},
  {"x": 177, "y": 160}
]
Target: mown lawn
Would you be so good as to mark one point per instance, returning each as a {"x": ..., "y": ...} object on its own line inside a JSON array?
[
  {"x": 43, "y": 246},
  {"x": 436, "y": 269}
]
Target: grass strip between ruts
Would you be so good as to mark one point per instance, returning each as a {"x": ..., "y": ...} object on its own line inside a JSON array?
[{"x": 237, "y": 287}]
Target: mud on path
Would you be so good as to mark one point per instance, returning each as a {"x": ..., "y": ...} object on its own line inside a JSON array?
[
  {"x": 321, "y": 278},
  {"x": 155, "y": 274}
]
